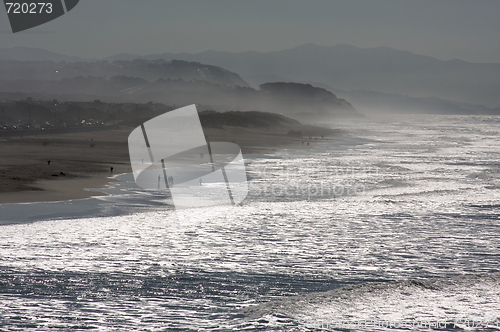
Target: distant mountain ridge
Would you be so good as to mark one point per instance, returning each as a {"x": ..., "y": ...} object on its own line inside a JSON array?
[
  {"x": 347, "y": 67},
  {"x": 381, "y": 77},
  {"x": 150, "y": 70},
  {"x": 373, "y": 103}
]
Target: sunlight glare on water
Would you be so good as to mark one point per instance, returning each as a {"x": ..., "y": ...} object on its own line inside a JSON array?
[{"x": 334, "y": 233}]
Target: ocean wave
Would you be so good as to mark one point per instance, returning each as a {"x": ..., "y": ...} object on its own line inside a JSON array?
[{"x": 458, "y": 300}]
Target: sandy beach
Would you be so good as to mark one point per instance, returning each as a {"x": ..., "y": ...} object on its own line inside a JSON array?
[{"x": 61, "y": 167}]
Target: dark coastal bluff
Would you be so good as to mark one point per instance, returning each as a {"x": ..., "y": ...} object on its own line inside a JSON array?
[
  {"x": 300, "y": 101},
  {"x": 297, "y": 93}
]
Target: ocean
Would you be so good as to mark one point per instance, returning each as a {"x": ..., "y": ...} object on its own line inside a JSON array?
[{"x": 393, "y": 227}]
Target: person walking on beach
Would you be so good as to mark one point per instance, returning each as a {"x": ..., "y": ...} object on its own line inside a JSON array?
[{"x": 159, "y": 178}]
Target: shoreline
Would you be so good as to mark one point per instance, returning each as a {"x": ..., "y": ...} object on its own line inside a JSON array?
[{"x": 82, "y": 161}]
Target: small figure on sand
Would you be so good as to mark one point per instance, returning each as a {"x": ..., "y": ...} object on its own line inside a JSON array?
[
  {"x": 159, "y": 178},
  {"x": 201, "y": 181},
  {"x": 170, "y": 181},
  {"x": 307, "y": 143},
  {"x": 111, "y": 169},
  {"x": 48, "y": 162}
]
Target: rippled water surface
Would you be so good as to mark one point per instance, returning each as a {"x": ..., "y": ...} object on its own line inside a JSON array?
[{"x": 397, "y": 223}]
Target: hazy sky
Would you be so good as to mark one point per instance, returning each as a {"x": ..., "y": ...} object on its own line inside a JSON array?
[{"x": 446, "y": 29}]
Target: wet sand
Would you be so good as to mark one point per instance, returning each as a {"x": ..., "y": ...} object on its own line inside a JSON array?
[{"x": 83, "y": 160}]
